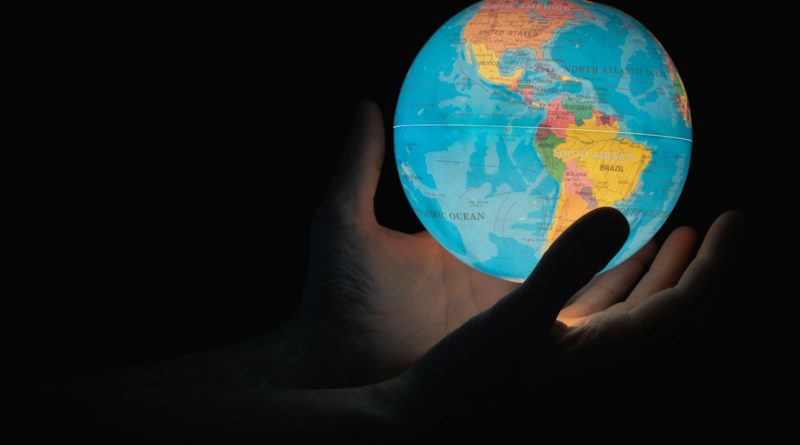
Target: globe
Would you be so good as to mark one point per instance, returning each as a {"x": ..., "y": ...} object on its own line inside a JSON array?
[{"x": 518, "y": 117}]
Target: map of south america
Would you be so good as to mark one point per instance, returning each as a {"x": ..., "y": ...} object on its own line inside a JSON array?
[{"x": 595, "y": 167}]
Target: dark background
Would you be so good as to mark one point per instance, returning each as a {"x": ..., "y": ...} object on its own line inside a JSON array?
[{"x": 168, "y": 207}]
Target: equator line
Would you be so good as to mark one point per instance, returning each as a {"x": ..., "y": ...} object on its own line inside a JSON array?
[{"x": 631, "y": 133}]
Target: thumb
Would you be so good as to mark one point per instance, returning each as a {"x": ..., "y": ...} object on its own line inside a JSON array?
[
  {"x": 582, "y": 251},
  {"x": 352, "y": 191},
  {"x": 484, "y": 351}
]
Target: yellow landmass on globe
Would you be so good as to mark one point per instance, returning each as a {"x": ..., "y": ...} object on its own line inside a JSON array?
[
  {"x": 489, "y": 65},
  {"x": 601, "y": 170}
]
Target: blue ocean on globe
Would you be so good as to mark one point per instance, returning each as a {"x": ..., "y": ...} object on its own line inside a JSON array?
[{"x": 518, "y": 117}]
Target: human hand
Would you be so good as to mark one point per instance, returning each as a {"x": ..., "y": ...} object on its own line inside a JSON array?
[
  {"x": 649, "y": 295},
  {"x": 380, "y": 298}
]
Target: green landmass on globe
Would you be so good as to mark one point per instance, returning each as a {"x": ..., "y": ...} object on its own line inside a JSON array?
[{"x": 519, "y": 116}]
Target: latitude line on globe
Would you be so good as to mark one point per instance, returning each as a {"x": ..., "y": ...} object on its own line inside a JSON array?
[{"x": 543, "y": 128}]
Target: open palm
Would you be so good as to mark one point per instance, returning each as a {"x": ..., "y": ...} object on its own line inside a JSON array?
[{"x": 388, "y": 295}]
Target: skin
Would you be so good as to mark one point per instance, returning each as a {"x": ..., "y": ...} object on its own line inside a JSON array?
[{"x": 392, "y": 328}]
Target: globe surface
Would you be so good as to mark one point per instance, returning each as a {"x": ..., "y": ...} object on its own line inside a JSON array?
[{"x": 519, "y": 117}]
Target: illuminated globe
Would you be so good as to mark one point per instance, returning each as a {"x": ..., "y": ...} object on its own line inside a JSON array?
[{"x": 518, "y": 117}]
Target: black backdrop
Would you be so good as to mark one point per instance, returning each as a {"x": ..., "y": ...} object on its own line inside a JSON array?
[{"x": 158, "y": 237}]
